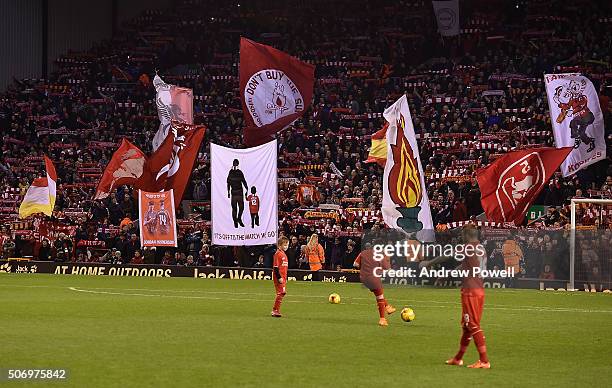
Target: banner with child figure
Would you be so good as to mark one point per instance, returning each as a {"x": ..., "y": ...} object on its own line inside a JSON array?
[
  {"x": 157, "y": 219},
  {"x": 244, "y": 195}
]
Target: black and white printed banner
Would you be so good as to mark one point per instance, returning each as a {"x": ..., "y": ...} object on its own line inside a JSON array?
[{"x": 244, "y": 195}]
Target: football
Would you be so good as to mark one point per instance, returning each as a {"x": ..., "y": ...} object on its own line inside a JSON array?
[
  {"x": 334, "y": 298},
  {"x": 407, "y": 314}
]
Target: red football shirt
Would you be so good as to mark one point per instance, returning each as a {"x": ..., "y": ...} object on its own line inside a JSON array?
[
  {"x": 282, "y": 263},
  {"x": 253, "y": 203},
  {"x": 473, "y": 283},
  {"x": 368, "y": 266}
]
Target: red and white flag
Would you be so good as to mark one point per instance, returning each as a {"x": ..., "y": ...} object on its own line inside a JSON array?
[
  {"x": 275, "y": 90},
  {"x": 40, "y": 197},
  {"x": 509, "y": 185},
  {"x": 577, "y": 119},
  {"x": 174, "y": 103},
  {"x": 170, "y": 166},
  {"x": 124, "y": 168}
]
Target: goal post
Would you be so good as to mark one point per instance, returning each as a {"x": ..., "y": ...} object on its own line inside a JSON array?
[{"x": 597, "y": 208}]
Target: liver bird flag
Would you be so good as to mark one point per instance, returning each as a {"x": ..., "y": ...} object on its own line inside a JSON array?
[
  {"x": 124, "y": 168},
  {"x": 275, "y": 90},
  {"x": 171, "y": 165},
  {"x": 509, "y": 185}
]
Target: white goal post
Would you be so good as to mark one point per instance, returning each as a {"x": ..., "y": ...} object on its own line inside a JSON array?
[{"x": 573, "y": 203}]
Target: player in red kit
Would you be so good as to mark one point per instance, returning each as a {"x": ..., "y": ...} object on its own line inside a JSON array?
[
  {"x": 279, "y": 274},
  {"x": 370, "y": 271},
  {"x": 472, "y": 299}
]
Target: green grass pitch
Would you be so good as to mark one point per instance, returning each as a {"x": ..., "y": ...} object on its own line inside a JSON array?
[{"x": 128, "y": 332}]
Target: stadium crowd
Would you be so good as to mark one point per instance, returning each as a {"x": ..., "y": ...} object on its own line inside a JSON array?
[{"x": 472, "y": 98}]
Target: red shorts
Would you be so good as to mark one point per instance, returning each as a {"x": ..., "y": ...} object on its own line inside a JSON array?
[
  {"x": 371, "y": 282},
  {"x": 472, "y": 304},
  {"x": 280, "y": 288}
]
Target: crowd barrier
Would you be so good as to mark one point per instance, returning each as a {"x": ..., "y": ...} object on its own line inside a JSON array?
[{"x": 20, "y": 266}]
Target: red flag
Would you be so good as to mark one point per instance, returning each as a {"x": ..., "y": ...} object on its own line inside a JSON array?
[
  {"x": 275, "y": 90},
  {"x": 170, "y": 166},
  {"x": 509, "y": 185},
  {"x": 124, "y": 168}
]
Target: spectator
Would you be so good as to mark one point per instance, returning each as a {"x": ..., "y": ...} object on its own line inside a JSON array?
[
  {"x": 337, "y": 253},
  {"x": 293, "y": 252},
  {"x": 350, "y": 255},
  {"x": 314, "y": 253},
  {"x": 168, "y": 259},
  {"x": 137, "y": 257},
  {"x": 149, "y": 255},
  {"x": 260, "y": 262},
  {"x": 206, "y": 258},
  {"x": 63, "y": 248},
  {"x": 44, "y": 252},
  {"x": 547, "y": 274}
]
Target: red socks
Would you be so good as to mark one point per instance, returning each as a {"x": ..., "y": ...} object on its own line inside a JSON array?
[
  {"x": 479, "y": 341},
  {"x": 463, "y": 345},
  {"x": 278, "y": 301},
  {"x": 380, "y": 301}
]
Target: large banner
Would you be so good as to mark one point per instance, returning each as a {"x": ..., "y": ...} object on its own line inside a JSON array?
[
  {"x": 576, "y": 119},
  {"x": 275, "y": 90},
  {"x": 405, "y": 203},
  {"x": 157, "y": 219},
  {"x": 244, "y": 195},
  {"x": 447, "y": 16}
]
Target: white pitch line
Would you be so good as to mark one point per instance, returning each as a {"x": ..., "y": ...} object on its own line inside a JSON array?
[
  {"x": 196, "y": 297},
  {"x": 493, "y": 306},
  {"x": 439, "y": 305}
]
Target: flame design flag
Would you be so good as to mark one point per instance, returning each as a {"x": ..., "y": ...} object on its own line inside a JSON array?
[
  {"x": 40, "y": 197},
  {"x": 405, "y": 204}
]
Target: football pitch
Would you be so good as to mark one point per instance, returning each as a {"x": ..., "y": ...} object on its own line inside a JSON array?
[{"x": 128, "y": 332}]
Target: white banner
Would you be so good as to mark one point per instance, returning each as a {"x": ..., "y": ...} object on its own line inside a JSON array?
[
  {"x": 576, "y": 119},
  {"x": 447, "y": 16},
  {"x": 244, "y": 195},
  {"x": 405, "y": 203},
  {"x": 173, "y": 104}
]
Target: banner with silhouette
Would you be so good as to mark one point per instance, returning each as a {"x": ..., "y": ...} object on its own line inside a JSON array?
[{"x": 244, "y": 195}]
